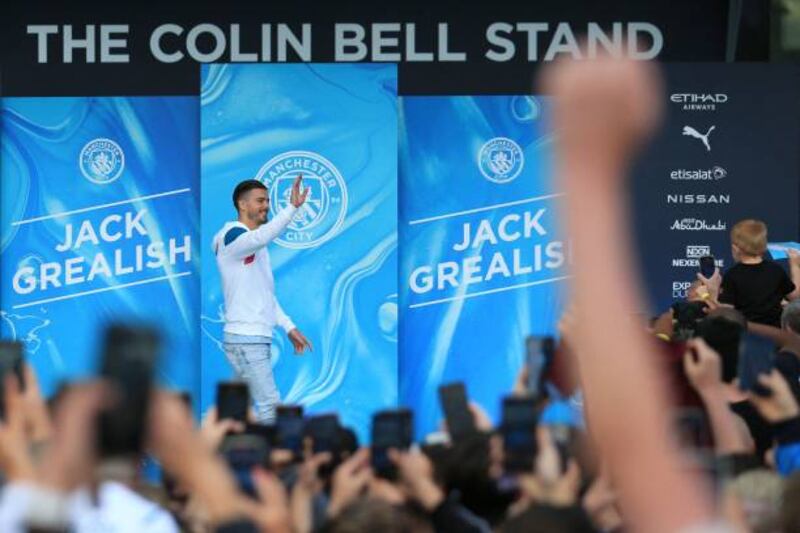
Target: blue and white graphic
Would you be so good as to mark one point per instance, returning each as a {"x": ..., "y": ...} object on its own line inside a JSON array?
[
  {"x": 320, "y": 218},
  {"x": 483, "y": 263},
  {"x": 335, "y": 266},
  {"x": 100, "y": 223}
]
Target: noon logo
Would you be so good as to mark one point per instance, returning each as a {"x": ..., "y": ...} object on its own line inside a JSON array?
[
  {"x": 101, "y": 161},
  {"x": 322, "y": 215},
  {"x": 500, "y": 160}
]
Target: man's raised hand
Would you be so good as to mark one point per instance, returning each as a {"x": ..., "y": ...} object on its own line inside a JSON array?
[{"x": 298, "y": 196}]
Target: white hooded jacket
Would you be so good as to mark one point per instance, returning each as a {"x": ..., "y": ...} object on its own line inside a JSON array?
[{"x": 251, "y": 307}]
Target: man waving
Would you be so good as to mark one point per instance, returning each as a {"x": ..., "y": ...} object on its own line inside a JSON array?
[{"x": 251, "y": 308}]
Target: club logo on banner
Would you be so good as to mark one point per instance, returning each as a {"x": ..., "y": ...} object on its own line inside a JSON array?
[
  {"x": 500, "y": 160},
  {"x": 101, "y": 161},
  {"x": 322, "y": 215}
]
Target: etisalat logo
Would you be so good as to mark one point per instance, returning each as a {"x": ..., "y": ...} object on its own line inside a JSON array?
[
  {"x": 698, "y": 101},
  {"x": 693, "y": 254},
  {"x": 696, "y": 224},
  {"x": 715, "y": 173}
]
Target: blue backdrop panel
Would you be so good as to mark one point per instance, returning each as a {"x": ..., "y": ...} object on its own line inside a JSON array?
[
  {"x": 99, "y": 223},
  {"x": 336, "y": 265},
  {"x": 482, "y": 261}
]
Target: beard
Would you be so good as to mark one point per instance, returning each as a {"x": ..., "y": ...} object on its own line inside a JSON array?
[{"x": 259, "y": 218}]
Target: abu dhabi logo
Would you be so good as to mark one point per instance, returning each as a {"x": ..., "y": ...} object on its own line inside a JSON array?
[
  {"x": 696, "y": 224},
  {"x": 321, "y": 216},
  {"x": 691, "y": 132},
  {"x": 101, "y": 161},
  {"x": 500, "y": 160}
]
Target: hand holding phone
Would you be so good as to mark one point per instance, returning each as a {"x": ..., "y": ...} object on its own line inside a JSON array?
[
  {"x": 756, "y": 356},
  {"x": 460, "y": 422},
  {"x": 233, "y": 400},
  {"x": 289, "y": 425},
  {"x": 243, "y": 453},
  {"x": 708, "y": 265},
  {"x": 390, "y": 430},
  {"x": 518, "y": 428},
  {"x": 538, "y": 359},
  {"x": 11, "y": 361},
  {"x": 128, "y": 364}
]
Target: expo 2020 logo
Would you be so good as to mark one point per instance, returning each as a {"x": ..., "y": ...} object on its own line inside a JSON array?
[
  {"x": 101, "y": 161},
  {"x": 500, "y": 160},
  {"x": 321, "y": 216}
]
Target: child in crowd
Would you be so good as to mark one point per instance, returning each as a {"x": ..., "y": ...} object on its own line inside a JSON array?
[{"x": 754, "y": 285}]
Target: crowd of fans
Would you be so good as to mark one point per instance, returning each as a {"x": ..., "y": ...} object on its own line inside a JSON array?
[{"x": 690, "y": 423}]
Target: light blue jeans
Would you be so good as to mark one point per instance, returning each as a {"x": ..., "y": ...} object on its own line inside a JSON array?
[{"x": 253, "y": 364}]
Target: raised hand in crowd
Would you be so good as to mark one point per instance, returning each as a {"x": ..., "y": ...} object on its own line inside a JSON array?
[{"x": 604, "y": 110}]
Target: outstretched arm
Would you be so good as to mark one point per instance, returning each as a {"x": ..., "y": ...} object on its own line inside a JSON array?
[
  {"x": 604, "y": 108},
  {"x": 239, "y": 242}
]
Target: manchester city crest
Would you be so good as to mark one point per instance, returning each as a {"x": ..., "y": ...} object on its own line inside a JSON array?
[
  {"x": 322, "y": 215},
  {"x": 101, "y": 161},
  {"x": 500, "y": 160}
]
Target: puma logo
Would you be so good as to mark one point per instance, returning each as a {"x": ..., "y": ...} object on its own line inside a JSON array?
[{"x": 691, "y": 132}]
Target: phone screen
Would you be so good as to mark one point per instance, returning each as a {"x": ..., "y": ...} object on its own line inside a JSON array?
[
  {"x": 756, "y": 356},
  {"x": 324, "y": 432},
  {"x": 128, "y": 364},
  {"x": 707, "y": 265},
  {"x": 390, "y": 429},
  {"x": 519, "y": 433},
  {"x": 233, "y": 400},
  {"x": 289, "y": 428},
  {"x": 243, "y": 453},
  {"x": 460, "y": 423},
  {"x": 11, "y": 360},
  {"x": 539, "y": 356}
]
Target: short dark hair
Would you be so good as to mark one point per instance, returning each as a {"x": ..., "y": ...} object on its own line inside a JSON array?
[{"x": 243, "y": 188}]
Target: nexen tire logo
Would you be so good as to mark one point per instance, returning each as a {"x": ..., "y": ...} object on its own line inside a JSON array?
[{"x": 697, "y": 251}]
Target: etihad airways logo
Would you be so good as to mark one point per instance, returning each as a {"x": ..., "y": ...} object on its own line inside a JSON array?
[
  {"x": 699, "y": 174},
  {"x": 698, "y": 101},
  {"x": 698, "y": 198}
]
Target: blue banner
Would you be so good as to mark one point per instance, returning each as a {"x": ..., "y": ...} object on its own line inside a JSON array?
[
  {"x": 482, "y": 261},
  {"x": 100, "y": 221},
  {"x": 335, "y": 266}
]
